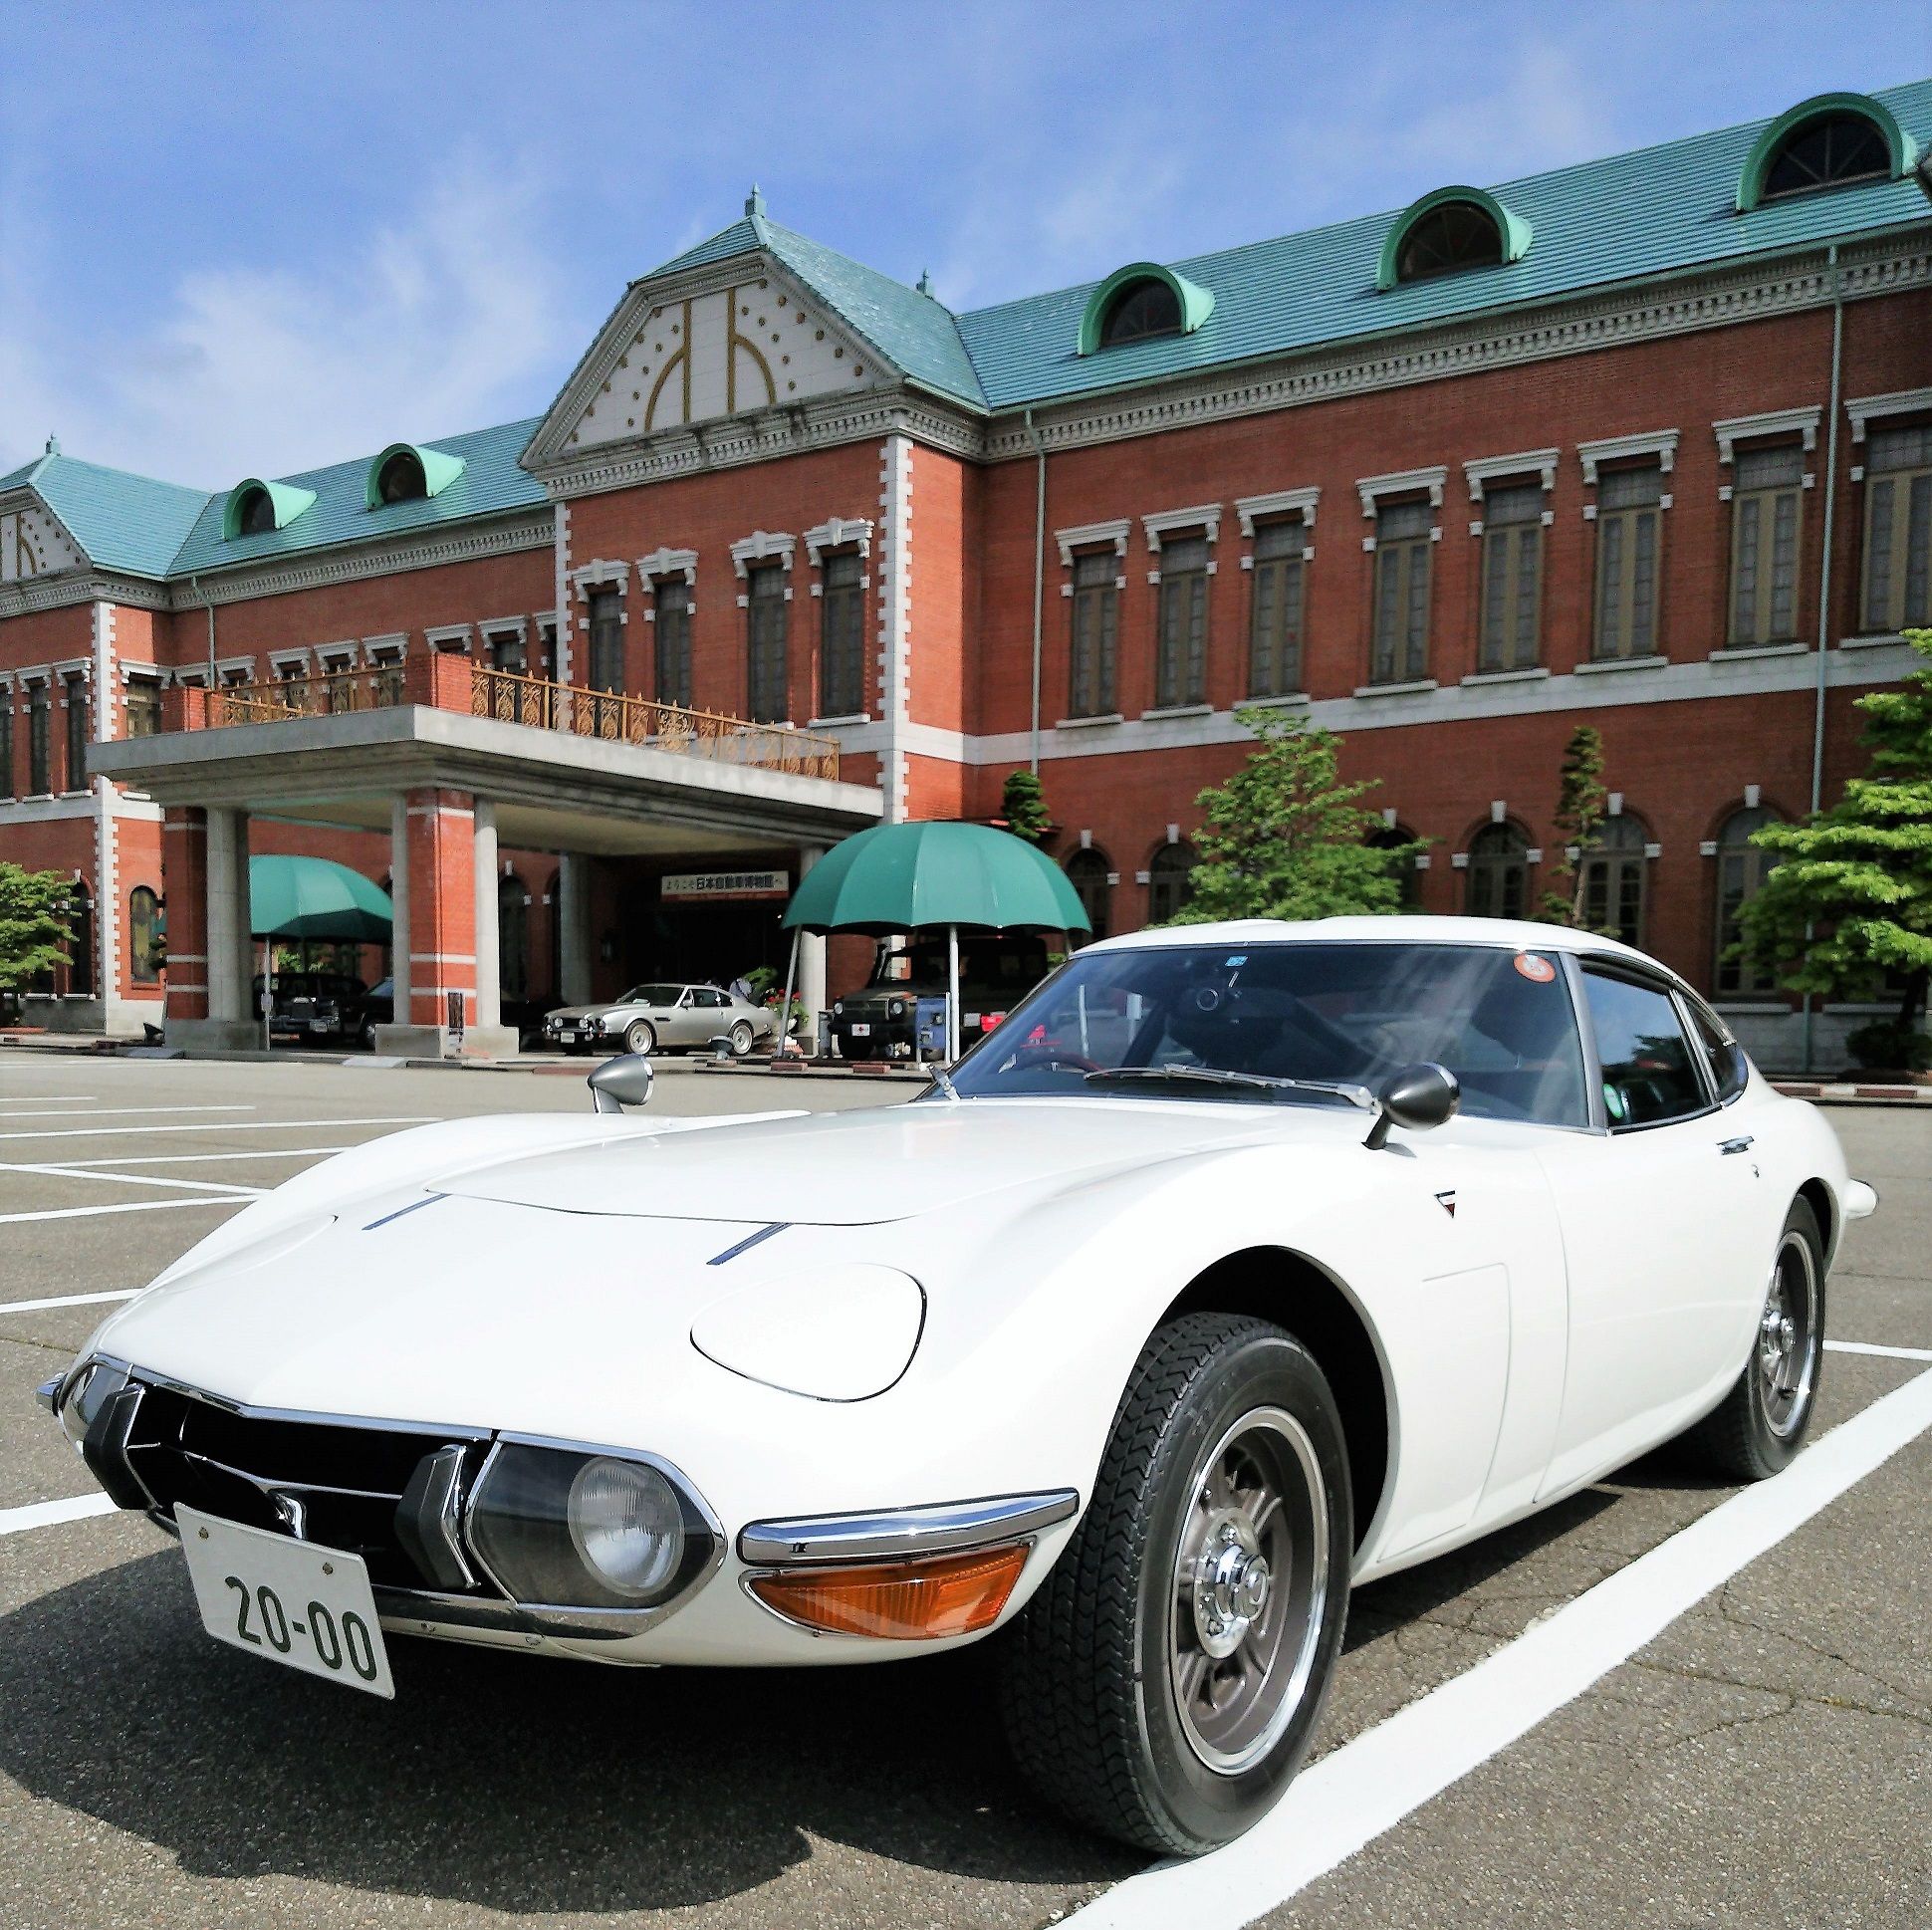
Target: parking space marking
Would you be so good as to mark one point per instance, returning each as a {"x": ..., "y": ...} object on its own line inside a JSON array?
[
  {"x": 123, "y": 1111},
  {"x": 199, "y": 1159},
  {"x": 67, "y": 1299},
  {"x": 120, "y": 1206},
  {"x": 1882, "y": 1354},
  {"x": 1368, "y": 1786},
  {"x": 50, "y": 1098},
  {"x": 44, "y": 1514},
  {"x": 226, "y": 1125},
  {"x": 137, "y": 1179}
]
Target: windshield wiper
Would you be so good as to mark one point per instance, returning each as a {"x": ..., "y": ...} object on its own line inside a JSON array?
[
  {"x": 1217, "y": 1076},
  {"x": 943, "y": 1082}
]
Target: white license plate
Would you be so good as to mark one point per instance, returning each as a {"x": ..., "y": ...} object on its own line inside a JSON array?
[
  {"x": 568, "y": 1038},
  {"x": 862, "y": 1031},
  {"x": 288, "y": 1600}
]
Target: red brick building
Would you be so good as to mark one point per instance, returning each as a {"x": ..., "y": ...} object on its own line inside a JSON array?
[{"x": 1645, "y": 443}]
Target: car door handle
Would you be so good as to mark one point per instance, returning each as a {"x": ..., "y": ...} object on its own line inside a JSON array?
[{"x": 1742, "y": 1143}]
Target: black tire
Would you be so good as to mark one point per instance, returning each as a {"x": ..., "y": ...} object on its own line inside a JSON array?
[
  {"x": 741, "y": 1039},
  {"x": 1757, "y": 1428},
  {"x": 641, "y": 1036},
  {"x": 1090, "y": 1670}
]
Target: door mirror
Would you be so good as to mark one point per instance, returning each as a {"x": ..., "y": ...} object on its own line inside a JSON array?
[
  {"x": 1418, "y": 1097},
  {"x": 620, "y": 1081}
]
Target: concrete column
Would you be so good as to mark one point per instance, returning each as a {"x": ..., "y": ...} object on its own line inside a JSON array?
[
  {"x": 213, "y": 845},
  {"x": 812, "y": 963},
  {"x": 399, "y": 903},
  {"x": 184, "y": 886},
  {"x": 489, "y": 967},
  {"x": 573, "y": 909}
]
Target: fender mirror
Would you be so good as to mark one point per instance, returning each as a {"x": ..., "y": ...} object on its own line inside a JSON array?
[
  {"x": 620, "y": 1081},
  {"x": 1418, "y": 1097}
]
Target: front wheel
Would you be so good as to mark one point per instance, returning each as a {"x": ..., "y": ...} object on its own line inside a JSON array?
[
  {"x": 1164, "y": 1683},
  {"x": 1759, "y": 1427},
  {"x": 741, "y": 1039},
  {"x": 640, "y": 1036}
]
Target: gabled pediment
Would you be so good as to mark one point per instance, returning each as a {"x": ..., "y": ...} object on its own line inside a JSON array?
[{"x": 33, "y": 543}]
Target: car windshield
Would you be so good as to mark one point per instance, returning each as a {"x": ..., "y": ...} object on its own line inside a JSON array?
[
  {"x": 1007, "y": 964},
  {"x": 652, "y": 995},
  {"x": 1227, "y": 1022}
]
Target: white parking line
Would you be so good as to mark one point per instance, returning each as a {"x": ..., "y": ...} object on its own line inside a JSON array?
[
  {"x": 120, "y": 1206},
  {"x": 126, "y": 1111},
  {"x": 196, "y": 1158},
  {"x": 1883, "y": 1354},
  {"x": 225, "y": 1126},
  {"x": 136, "y": 1179},
  {"x": 44, "y": 1514},
  {"x": 50, "y": 1098},
  {"x": 67, "y": 1299},
  {"x": 1368, "y": 1786}
]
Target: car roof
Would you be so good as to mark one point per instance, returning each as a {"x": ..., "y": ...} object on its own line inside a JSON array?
[{"x": 1516, "y": 934}]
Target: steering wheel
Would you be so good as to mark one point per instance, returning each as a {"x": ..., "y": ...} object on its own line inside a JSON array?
[{"x": 1030, "y": 1057}]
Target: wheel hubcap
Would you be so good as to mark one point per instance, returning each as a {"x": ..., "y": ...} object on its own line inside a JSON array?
[
  {"x": 1251, "y": 1584},
  {"x": 1788, "y": 1336}
]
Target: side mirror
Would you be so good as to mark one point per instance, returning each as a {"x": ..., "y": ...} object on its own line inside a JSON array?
[
  {"x": 1418, "y": 1097},
  {"x": 620, "y": 1081}
]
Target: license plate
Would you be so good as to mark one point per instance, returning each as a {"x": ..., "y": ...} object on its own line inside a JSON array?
[
  {"x": 568, "y": 1038},
  {"x": 288, "y": 1600},
  {"x": 862, "y": 1031}
]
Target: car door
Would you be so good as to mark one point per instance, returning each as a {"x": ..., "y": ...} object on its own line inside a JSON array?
[{"x": 1658, "y": 1210}]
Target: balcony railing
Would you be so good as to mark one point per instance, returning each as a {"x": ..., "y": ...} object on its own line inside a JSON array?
[{"x": 451, "y": 682}]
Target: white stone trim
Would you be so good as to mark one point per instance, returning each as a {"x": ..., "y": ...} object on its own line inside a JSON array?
[
  {"x": 445, "y": 633},
  {"x": 562, "y": 612},
  {"x": 518, "y": 627},
  {"x": 349, "y": 648},
  {"x": 604, "y": 574},
  {"x": 1779, "y": 421},
  {"x": 1401, "y": 482},
  {"x": 1206, "y": 516},
  {"x": 895, "y": 620},
  {"x": 397, "y": 641},
  {"x": 1280, "y": 501},
  {"x": 279, "y": 661},
  {"x": 663, "y": 562},
  {"x": 1661, "y": 443},
  {"x": 1410, "y": 687},
  {"x": 835, "y": 533},
  {"x": 1090, "y": 535},
  {"x": 1901, "y": 401},
  {"x": 761, "y": 546},
  {"x": 1488, "y": 469}
]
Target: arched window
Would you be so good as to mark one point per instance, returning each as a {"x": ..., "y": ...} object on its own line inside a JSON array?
[
  {"x": 513, "y": 938},
  {"x": 1613, "y": 874},
  {"x": 1498, "y": 873},
  {"x": 1742, "y": 869},
  {"x": 1408, "y": 880},
  {"x": 1827, "y": 152},
  {"x": 144, "y": 935},
  {"x": 1456, "y": 235},
  {"x": 1170, "y": 881},
  {"x": 79, "y": 943},
  {"x": 1086, "y": 871},
  {"x": 256, "y": 516},
  {"x": 256, "y": 507},
  {"x": 1140, "y": 311},
  {"x": 400, "y": 479}
]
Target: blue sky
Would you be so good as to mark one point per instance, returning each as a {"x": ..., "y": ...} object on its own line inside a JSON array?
[{"x": 253, "y": 239}]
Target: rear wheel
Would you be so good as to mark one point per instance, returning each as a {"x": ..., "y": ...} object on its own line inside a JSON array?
[
  {"x": 741, "y": 1039},
  {"x": 1164, "y": 1683},
  {"x": 1762, "y": 1422},
  {"x": 640, "y": 1035}
]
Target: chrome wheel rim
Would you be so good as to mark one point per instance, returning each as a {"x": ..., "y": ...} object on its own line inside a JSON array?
[
  {"x": 1788, "y": 1338},
  {"x": 1249, "y": 1590}
]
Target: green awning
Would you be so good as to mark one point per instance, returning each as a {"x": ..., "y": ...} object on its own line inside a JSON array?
[
  {"x": 898, "y": 877},
  {"x": 315, "y": 897}
]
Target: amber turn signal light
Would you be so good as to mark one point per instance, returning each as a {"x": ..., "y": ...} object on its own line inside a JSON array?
[{"x": 898, "y": 1601}]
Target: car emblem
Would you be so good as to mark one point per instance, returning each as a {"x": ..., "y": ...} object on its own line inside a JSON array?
[{"x": 1447, "y": 1201}]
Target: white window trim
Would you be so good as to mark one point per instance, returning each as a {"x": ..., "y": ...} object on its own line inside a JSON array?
[
  {"x": 667, "y": 563},
  {"x": 397, "y": 641},
  {"x": 279, "y": 661},
  {"x": 1488, "y": 469},
  {"x": 763, "y": 546},
  {"x": 445, "y": 634},
  {"x": 1205, "y": 517},
  {"x": 600, "y": 575},
  {"x": 1090, "y": 535},
  {"x": 1661, "y": 443},
  {"x": 835, "y": 533},
  {"x": 1401, "y": 482},
  {"x": 1780, "y": 422},
  {"x": 1280, "y": 501},
  {"x": 140, "y": 673},
  {"x": 1901, "y": 401},
  {"x": 519, "y": 626}
]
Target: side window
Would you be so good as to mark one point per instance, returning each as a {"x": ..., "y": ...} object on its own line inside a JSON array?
[
  {"x": 1730, "y": 1069},
  {"x": 1649, "y": 1071}
]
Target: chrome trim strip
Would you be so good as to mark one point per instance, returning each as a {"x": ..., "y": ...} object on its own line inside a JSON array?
[
  {"x": 904, "y": 1534},
  {"x": 48, "y": 1393}
]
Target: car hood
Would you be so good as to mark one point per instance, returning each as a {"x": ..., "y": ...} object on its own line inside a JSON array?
[{"x": 576, "y": 1015}]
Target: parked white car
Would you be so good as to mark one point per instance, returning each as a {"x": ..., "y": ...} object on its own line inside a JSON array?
[
  {"x": 661, "y": 1017},
  {"x": 1242, "y": 1262}
]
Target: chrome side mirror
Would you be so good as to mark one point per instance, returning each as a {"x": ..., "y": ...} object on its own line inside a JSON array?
[
  {"x": 620, "y": 1081},
  {"x": 1418, "y": 1097}
]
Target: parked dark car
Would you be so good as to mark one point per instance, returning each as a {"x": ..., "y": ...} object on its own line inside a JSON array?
[
  {"x": 995, "y": 971},
  {"x": 314, "y": 1008}
]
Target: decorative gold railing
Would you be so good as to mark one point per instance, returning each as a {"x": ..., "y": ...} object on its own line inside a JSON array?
[
  {"x": 512, "y": 698},
  {"x": 610, "y": 715}
]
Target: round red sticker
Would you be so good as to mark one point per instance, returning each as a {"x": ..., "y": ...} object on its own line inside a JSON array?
[{"x": 1533, "y": 967}]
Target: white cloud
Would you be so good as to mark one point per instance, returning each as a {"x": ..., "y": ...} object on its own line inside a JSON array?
[{"x": 449, "y": 320}]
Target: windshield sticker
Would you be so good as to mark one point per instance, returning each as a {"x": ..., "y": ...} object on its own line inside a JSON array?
[
  {"x": 1533, "y": 967},
  {"x": 1227, "y": 964}
]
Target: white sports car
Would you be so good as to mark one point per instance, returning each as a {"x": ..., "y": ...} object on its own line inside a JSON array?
[{"x": 1242, "y": 1262}]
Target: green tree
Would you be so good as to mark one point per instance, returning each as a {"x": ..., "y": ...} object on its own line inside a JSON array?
[
  {"x": 1286, "y": 837},
  {"x": 34, "y": 928},
  {"x": 1850, "y": 899},
  {"x": 1023, "y": 804},
  {"x": 1581, "y": 804}
]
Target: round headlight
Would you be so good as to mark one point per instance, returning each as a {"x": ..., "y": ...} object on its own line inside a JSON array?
[
  {"x": 626, "y": 1524},
  {"x": 896, "y": 1008},
  {"x": 838, "y": 1007}
]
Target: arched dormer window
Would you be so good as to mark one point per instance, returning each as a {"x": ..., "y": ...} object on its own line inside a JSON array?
[
  {"x": 406, "y": 472},
  {"x": 1142, "y": 303},
  {"x": 1450, "y": 230},
  {"x": 1088, "y": 874},
  {"x": 1829, "y": 141},
  {"x": 255, "y": 506}
]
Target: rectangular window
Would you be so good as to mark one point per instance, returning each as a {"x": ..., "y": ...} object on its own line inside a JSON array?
[
  {"x": 6, "y": 744},
  {"x": 1096, "y": 612},
  {"x": 842, "y": 638},
  {"x": 546, "y": 650},
  {"x": 1511, "y": 577},
  {"x": 40, "y": 775},
  {"x": 1629, "y": 509},
  {"x": 1400, "y": 650},
  {"x": 765, "y": 611},
  {"x": 1180, "y": 661},
  {"x": 1649, "y": 1066},
  {"x": 1766, "y": 502},
  {"x": 507, "y": 651},
  {"x": 143, "y": 706},
  {"x": 1275, "y": 610},
  {"x": 606, "y": 639},
  {"x": 1898, "y": 530},
  {"x": 671, "y": 635},
  {"x": 77, "y": 734}
]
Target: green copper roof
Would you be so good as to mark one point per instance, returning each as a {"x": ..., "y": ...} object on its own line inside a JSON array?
[{"x": 129, "y": 523}]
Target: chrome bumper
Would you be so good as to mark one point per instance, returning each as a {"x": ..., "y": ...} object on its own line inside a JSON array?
[{"x": 904, "y": 1534}]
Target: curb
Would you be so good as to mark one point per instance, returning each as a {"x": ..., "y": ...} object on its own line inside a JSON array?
[{"x": 1832, "y": 1093}]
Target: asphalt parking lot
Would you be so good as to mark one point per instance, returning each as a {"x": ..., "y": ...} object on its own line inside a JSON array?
[{"x": 1655, "y": 1704}]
